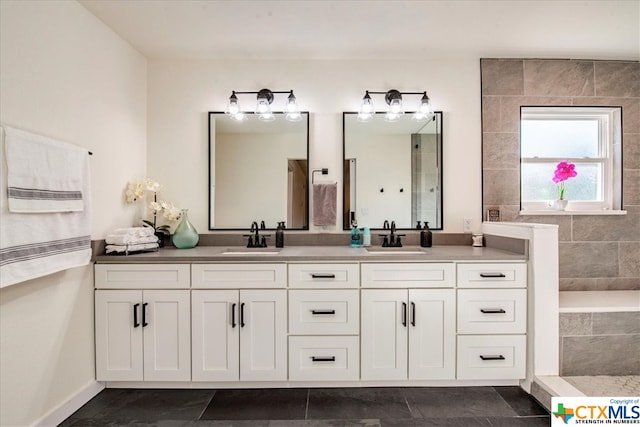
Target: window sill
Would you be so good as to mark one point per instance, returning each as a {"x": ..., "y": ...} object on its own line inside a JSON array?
[{"x": 572, "y": 212}]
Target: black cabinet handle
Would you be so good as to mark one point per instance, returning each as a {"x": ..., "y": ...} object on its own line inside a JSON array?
[
  {"x": 492, "y": 311},
  {"x": 498, "y": 357},
  {"x": 323, "y": 276},
  {"x": 413, "y": 314},
  {"x": 323, "y": 312},
  {"x": 233, "y": 315},
  {"x": 323, "y": 359},
  {"x": 492, "y": 275},
  {"x": 144, "y": 314},
  {"x": 404, "y": 314},
  {"x": 242, "y": 315},
  {"x": 135, "y": 315}
]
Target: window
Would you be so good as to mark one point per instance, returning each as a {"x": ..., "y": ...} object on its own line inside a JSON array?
[{"x": 589, "y": 137}]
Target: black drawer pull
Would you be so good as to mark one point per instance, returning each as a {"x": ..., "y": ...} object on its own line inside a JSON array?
[
  {"x": 498, "y": 357},
  {"x": 413, "y": 314},
  {"x": 492, "y": 311},
  {"x": 492, "y": 275},
  {"x": 404, "y": 314},
  {"x": 323, "y": 359},
  {"x": 323, "y": 276},
  {"x": 242, "y": 324},
  {"x": 144, "y": 314},
  {"x": 233, "y": 315},
  {"x": 135, "y": 315},
  {"x": 323, "y": 312}
]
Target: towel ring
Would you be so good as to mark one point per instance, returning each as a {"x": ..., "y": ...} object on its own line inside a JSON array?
[{"x": 324, "y": 171}]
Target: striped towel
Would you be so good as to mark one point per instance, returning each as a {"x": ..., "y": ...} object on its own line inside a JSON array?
[
  {"x": 37, "y": 244},
  {"x": 43, "y": 175}
]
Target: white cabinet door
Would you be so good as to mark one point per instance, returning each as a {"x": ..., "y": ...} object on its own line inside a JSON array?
[
  {"x": 118, "y": 329},
  {"x": 432, "y": 334},
  {"x": 384, "y": 334},
  {"x": 216, "y": 335},
  {"x": 167, "y": 335},
  {"x": 263, "y": 336}
]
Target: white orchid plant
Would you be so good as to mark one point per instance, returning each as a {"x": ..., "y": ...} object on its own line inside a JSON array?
[{"x": 139, "y": 189}]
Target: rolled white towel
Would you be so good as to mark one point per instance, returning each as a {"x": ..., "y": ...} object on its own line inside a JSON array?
[
  {"x": 130, "y": 248},
  {"x": 129, "y": 239},
  {"x": 135, "y": 231}
]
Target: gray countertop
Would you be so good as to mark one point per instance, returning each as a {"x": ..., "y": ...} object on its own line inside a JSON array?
[{"x": 203, "y": 254}]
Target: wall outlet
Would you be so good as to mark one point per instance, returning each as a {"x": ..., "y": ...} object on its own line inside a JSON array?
[{"x": 466, "y": 225}]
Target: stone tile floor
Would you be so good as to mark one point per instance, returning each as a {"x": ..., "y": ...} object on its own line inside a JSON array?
[
  {"x": 316, "y": 407},
  {"x": 607, "y": 385}
]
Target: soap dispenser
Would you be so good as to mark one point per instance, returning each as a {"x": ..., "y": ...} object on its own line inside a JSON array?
[
  {"x": 426, "y": 236},
  {"x": 366, "y": 237},
  {"x": 355, "y": 234},
  {"x": 280, "y": 235}
]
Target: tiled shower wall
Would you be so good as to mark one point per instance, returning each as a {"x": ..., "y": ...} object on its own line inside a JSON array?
[
  {"x": 597, "y": 252},
  {"x": 600, "y": 343}
]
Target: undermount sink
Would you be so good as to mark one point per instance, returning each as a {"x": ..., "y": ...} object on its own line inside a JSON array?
[
  {"x": 391, "y": 250},
  {"x": 251, "y": 251}
]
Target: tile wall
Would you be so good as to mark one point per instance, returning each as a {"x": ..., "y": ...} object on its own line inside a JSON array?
[
  {"x": 599, "y": 343},
  {"x": 596, "y": 252}
]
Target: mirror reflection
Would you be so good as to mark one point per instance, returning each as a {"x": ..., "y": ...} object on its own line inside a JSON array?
[
  {"x": 258, "y": 171},
  {"x": 392, "y": 171}
]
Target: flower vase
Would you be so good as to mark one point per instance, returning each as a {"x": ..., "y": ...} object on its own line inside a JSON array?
[
  {"x": 185, "y": 236},
  {"x": 559, "y": 204}
]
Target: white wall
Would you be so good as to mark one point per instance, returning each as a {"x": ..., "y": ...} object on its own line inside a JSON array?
[
  {"x": 181, "y": 93},
  {"x": 248, "y": 156},
  {"x": 67, "y": 76},
  {"x": 382, "y": 162}
]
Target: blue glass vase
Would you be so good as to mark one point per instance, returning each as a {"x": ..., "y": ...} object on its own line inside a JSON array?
[{"x": 185, "y": 236}]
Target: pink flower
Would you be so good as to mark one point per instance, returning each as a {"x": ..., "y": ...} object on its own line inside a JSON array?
[{"x": 564, "y": 171}]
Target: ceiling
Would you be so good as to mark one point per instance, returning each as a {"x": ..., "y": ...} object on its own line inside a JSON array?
[{"x": 359, "y": 29}]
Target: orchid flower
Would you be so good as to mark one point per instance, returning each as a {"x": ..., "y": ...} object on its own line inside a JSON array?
[{"x": 564, "y": 171}]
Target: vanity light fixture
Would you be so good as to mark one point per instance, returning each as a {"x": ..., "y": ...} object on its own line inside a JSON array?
[
  {"x": 395, "y": 109},
  {"x": 264, "y": 99}
]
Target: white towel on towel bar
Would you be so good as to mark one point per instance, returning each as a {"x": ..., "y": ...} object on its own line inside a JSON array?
[
  {"x": 35, "y": 245},
  {"x": 43, "y": 175}
]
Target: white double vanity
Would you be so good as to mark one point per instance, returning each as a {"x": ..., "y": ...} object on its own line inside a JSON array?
[{"x": 316, "y": 316}]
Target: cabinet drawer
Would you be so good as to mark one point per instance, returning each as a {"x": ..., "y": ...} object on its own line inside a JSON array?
[
  {"x": 234, "y": 276},
  {"x": 324, "y": 358},
  {"x": 486, "y": 357},
  {"x": 502, "y": 275},
  {"x": 324, "y": 312},
  {"x": 324, "y": 276},
  {"x": 142, "y": 276},
  {"x": 408, "y": 275},
  {"x": 492, "y": 311}
]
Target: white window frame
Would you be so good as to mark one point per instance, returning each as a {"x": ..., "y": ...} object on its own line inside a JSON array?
[{"x": 609, "y": 148}]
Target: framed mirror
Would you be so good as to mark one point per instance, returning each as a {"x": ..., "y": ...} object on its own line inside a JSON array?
[
  {"x": 392, "y": 171},
  {"x": 258, "y": 171}
]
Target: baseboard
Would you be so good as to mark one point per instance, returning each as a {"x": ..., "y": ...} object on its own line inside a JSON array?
[{"x": 65, "y": 410}]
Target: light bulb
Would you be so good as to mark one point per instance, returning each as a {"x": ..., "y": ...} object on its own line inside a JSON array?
[
  {"x": 392, "y": 117},
  {"x": 395, "y": 106},
  {"x": 366, "y": 106},
  {"x": 425, "y": 105},
  {"x": 292, "y": 104},
  {"x": 233, "y": 107}
]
